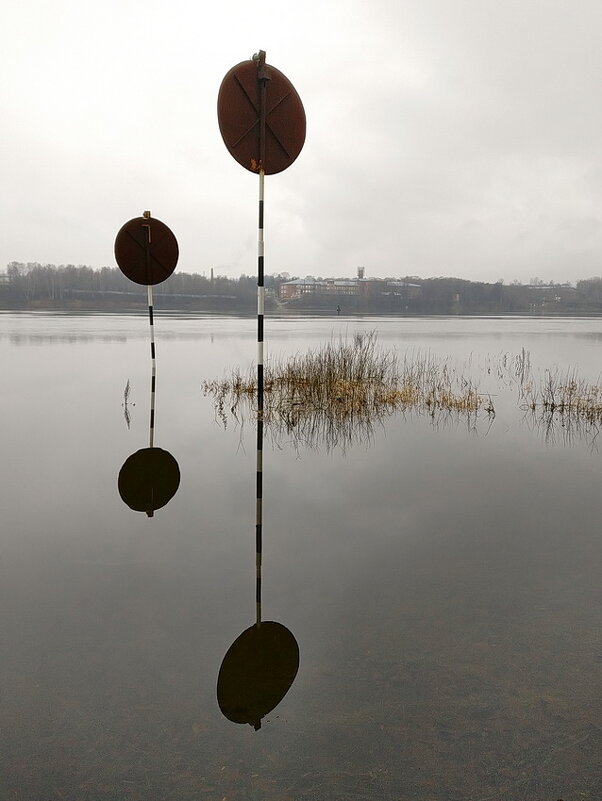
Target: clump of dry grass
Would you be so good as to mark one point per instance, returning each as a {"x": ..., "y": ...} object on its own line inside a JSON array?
[
  {"x": 563, "y": 405},
  {"x": 336, "y": 394},
  {"x": 565, "y": 395}
]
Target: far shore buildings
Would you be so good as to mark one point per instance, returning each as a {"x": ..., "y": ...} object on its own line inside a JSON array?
[{"x": 354, "y": 287}]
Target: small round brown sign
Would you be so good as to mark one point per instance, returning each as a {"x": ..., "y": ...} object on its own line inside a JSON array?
[
  {"x": 261, "y": 117},
  {"x": 146, "y": 251}
]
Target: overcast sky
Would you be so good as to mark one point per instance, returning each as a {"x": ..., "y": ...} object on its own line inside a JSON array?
[{"x": 444, "y": 137}]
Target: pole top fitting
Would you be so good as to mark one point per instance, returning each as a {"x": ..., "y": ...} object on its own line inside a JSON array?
[
  {"x": 146, "y": 215},
  {"x": 262, "y": 73}
]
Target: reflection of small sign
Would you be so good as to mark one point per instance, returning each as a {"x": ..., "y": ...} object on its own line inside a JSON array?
[
  {"x": 146, "y": 250},
  {"x": 256, "y": 100},
  {"x": 148, "y": 480}
]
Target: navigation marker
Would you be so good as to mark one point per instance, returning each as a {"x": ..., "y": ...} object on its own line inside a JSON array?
[
  {"x": 262, "y": 122},
  {"x": 146, "y": 252}
]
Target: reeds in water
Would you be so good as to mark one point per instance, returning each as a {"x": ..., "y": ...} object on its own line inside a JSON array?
[
  {"x": 565, "y": 406},
  {"x": 569, "y": 395},
  {"x": 336, "y": 394}
]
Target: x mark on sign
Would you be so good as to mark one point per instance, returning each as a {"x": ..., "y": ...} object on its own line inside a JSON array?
[
  {"x": 258, "y": 118},
  {"x": 154, "y": 263},
  {"x": 144, "y": 241}
]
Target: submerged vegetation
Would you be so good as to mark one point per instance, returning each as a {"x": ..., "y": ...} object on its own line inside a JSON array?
[
  {"x": 564, "y": 406},
  {"x": 559, "y": 405},
  {"x": 336, "y": 394},
  {"x": 568, "y": 396}
]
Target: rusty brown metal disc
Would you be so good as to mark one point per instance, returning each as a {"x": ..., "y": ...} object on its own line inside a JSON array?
[
  {"x": 239, "y": 117},
  {"x": 146, "y": 251}
]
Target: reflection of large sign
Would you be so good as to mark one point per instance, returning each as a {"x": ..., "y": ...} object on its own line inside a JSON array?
[{"x": 257, "y": 672}]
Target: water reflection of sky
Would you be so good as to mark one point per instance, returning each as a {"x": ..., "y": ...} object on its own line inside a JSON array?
[{"x": 441, "y": 584}]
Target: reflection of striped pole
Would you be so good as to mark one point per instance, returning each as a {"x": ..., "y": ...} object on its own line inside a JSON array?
[
  {"x": 259, "y": 483},
  {"x": 149, "y": 290},
  {"x": 153, "y": 366}
]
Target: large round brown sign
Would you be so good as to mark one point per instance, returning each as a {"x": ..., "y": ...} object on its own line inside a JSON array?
[
  {"x": 146, "y": 251},
  {"x": 261, "y": 117}
]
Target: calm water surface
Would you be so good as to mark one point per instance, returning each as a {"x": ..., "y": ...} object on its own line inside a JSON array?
[{"x": 441, "y": 578}]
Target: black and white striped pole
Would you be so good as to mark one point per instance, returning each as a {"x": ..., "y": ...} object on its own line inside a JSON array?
[
  {"x": 260, "y": 393},
  {"x": 262, "y": 122},
  {"x": 153, "y": 367},
  {"x": 147, "y": 253},
  {"x": 262, "y": 80},
  {"x": 149, "y": 292}
]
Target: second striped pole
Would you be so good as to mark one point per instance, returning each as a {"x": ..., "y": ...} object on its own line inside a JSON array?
[{"x": 153, "y": 367}]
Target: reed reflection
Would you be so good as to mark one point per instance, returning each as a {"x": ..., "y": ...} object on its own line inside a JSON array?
[{"x": 556, "y": 428}]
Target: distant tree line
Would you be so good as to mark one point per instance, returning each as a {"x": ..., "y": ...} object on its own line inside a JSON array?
[
  {"x": 39, "y": 286},
  {"x": 34, "y": 285}
]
